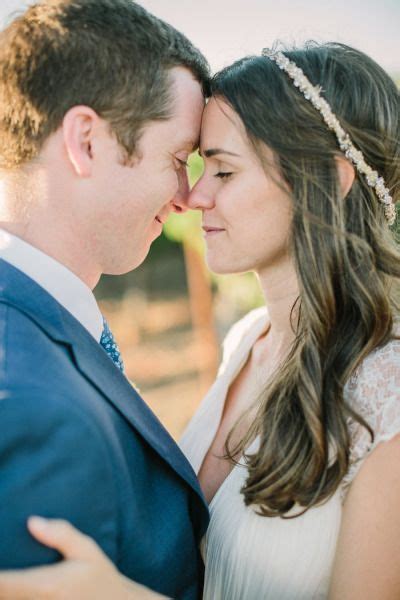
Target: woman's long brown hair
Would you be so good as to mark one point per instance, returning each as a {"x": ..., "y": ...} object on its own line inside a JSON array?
[{"x": 346, "y": 258}]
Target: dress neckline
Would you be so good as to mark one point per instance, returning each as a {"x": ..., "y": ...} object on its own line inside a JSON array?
[
  {"x": 201, "y": 430},
  {"x": 250, "y": 337},
  {"x": 239, "y": 465}
]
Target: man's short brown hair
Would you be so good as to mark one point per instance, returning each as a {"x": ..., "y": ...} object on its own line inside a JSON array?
[{"x": 111, "y": 55}]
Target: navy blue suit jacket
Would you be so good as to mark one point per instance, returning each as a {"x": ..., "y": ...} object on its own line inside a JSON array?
[{"x": 77, "y": 442}]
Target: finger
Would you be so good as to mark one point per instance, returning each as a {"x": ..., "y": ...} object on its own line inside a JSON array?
[
  {"x": 62, "y": 536},
  {"x": 27, "y": 584}
]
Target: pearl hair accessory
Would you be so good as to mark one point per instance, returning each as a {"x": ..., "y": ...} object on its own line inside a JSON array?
[{"x": 313, "y": 94}]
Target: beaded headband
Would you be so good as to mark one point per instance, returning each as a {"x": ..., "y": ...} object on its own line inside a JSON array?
[{"x": 313, "y": 94}]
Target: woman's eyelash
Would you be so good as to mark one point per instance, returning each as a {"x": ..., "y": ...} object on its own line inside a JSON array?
[{"x": 223, "y": 174}]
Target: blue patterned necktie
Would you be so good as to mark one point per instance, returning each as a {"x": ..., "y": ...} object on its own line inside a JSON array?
[{"x": 110, "y": 346}]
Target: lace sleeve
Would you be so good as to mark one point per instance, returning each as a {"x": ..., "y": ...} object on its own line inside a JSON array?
[{"x": 374, "y": 393}]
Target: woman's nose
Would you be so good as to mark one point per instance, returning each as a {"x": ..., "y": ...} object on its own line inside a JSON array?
[{"x": 200, "y": 197}]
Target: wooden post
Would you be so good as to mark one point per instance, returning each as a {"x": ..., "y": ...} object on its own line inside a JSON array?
[{"x": 201, "y": 308}]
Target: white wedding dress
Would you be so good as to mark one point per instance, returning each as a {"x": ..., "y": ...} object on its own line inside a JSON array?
[{"x": 248, "y": 557}]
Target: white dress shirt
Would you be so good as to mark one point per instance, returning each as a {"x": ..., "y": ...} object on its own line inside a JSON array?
[{"x": 70, "y": 291}]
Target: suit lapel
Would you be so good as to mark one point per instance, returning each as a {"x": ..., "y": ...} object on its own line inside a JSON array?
[
  {"x": 18, "y": 290},
  {"x": 93, "y": 362}
]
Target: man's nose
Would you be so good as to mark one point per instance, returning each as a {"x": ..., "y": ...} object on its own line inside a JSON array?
[{"x": 180, "y": 200}]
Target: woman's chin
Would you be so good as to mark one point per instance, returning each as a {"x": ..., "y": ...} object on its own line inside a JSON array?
[{"x": 222, "y": 267}]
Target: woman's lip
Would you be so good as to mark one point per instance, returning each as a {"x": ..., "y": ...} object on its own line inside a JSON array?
[
  {"x": 212, "y": 229},
  {"x": 157, "y": 218}
]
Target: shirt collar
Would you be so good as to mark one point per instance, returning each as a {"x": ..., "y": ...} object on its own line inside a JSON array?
[{"x": 70, "y": 291}]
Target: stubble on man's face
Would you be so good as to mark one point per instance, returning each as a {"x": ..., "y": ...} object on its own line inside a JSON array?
[{"x": 145, "y": 192}]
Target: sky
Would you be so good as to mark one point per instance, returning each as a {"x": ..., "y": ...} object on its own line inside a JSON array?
[{"x": 228, "y": 29}]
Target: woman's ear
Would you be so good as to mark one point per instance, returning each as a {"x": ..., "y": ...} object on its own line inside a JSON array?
[
  {"x": 346, "y": 174},
  {"x": 79, "y": 126}
]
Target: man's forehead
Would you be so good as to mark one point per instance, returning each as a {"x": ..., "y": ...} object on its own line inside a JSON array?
[{"x": 187, "y": 115}]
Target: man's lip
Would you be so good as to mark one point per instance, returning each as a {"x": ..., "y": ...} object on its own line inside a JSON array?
[{"x": 163, "y": 215}]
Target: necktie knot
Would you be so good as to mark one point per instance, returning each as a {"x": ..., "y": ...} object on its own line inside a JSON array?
[{"x": 109, "y": 344}]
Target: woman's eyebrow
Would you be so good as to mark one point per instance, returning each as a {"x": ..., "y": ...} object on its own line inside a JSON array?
[{"x": 215, "y": 151}]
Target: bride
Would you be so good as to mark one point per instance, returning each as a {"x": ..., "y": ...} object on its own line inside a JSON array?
[{"x": 297, "y": 444}]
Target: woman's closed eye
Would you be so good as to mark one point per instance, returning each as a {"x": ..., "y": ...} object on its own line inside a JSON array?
[{"x": 223, "y": 174}]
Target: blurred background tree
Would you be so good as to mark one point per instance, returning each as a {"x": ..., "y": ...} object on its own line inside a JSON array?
[{"x": 186, "y": 229}]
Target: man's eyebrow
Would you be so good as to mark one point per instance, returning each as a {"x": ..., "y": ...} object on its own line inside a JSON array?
[{"x": 215, "y": 151}]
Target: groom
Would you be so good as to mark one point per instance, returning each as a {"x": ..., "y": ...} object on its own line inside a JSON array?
[{"x": 100, "y": 106}]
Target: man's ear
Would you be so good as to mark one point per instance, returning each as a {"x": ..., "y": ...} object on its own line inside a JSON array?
[
  {"x": 346, "y": 174},
  {"x": 79, "y": 125}
]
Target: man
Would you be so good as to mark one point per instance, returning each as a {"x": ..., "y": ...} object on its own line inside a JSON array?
[{"x": 100, "y": 106}]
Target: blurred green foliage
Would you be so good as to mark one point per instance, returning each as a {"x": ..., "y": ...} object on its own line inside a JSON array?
[
  {"x": 242, "y": 290},
  {"x": 187, "y": 227}
]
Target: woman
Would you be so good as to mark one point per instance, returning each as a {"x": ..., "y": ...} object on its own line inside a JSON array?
[{"x": 297, "y": 444}]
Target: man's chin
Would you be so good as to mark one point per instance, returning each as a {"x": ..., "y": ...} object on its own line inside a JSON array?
[{"x": 124, "y": 266}]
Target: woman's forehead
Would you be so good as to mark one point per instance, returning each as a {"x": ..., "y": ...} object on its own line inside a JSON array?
[{"x": 221, "y": 127}]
